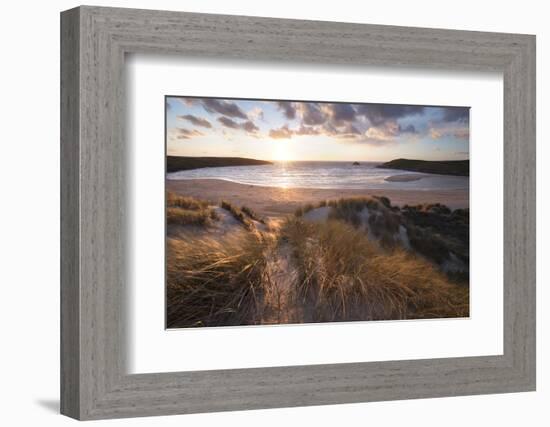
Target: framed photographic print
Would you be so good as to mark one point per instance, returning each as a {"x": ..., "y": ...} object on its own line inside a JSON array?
[{"x": 261, "y": 213}]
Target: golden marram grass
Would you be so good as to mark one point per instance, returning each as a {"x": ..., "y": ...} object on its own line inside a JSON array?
[{"x": 347, "y": 266}]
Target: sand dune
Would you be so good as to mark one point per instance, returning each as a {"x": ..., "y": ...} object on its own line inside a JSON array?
[{"x": 276, "y": 201}]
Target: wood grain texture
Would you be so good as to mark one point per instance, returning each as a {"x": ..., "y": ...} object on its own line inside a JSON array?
[
  {"x": 70, "y": 257},
  {"x": 95, "y": 383}
]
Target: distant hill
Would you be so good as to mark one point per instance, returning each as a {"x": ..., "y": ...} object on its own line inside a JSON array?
[
  {"x": 442, "y": 167},
  {"x": 177, "y": 163}
]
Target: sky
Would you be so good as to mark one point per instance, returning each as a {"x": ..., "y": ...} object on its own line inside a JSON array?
[{"x": 300, "y": 130}]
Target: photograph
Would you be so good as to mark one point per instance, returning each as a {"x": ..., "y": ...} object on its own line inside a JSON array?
[{"x": 289, "y": 212}]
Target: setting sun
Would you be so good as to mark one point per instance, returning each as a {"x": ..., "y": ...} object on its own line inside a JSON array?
[{"x": 283, "y": 151}]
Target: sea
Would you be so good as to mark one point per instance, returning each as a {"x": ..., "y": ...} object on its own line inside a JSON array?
[{"x": 330, "y": 175}]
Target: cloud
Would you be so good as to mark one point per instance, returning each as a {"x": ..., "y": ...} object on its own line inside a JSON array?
[
  {"x": 462, "y": 133},
  {"x": 388, "y": 131},
  {"x": 340, "y": 114},
  {"x": 378, "y": 114},
  {"x": 228, "y": 123},
  {"x": 316, "y": 114},
  {"x": 182, "y": 133},
  {"x": 287, "y": 108},
  {"x": 310, "y": 113},
  {"x": 282, "y": 133},
  {"x": 186, "y": 102},
  {"x": 435, "y": 133},
  {"x": 409, "y": 129},
  {"x": 247, "y": 126},
  {"x": 350, "y": 129},
  {"x": 378, "y": 134},
  {"x": 456, "y": 130},
  {"x": 347, "y": 131},
  {"x": 455, "y": 114},
  {"x": 453, "y": 122},
  {"x": 361, "y": 123},
  {"x": 256, "y": 114},
  {"x": 307, "y": 130},
  {"x": 197, "y": 121},
  {"x": 225, "y": 108},
  {"x": 342, "y": 120}
]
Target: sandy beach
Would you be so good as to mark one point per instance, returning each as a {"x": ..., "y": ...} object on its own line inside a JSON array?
[{"x": 276, "y": 201}]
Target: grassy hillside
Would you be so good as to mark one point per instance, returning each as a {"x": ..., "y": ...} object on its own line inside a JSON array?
[
  {"x": 177, "y": 163},
  {"x": 442, "y": 167}
]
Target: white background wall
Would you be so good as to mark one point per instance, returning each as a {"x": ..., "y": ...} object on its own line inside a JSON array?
[{"x": 29, "y": 224}]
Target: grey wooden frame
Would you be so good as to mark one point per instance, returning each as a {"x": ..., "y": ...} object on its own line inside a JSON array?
[{"x": 94, "y": 41}]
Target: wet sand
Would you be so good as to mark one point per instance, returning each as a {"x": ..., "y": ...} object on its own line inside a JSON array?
[{"x": 276, "y": 201}]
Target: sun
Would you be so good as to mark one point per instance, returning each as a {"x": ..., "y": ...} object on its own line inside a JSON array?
[{"x": 282, "y": 151}]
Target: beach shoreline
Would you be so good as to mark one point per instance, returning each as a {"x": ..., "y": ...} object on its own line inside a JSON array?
[{"x": 278, "y": 201}]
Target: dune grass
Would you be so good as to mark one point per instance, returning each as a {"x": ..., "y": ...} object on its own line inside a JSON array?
[
  {"x": 176, "y": 201},
  {"x": 252, "y": 214},
  {"x": 373, "y": 213},
  {"x": 185, "y": 211},
  {"x": 302, "y": 210},
  {"x": 433, "y": 230},
  {"x": 179, "y": 216},
  {"x": 344, "y": 276},
  {"x": 340, "y": 273},
  {"x": 237, "y": 213},
  {"x": 212, "y": 282}
]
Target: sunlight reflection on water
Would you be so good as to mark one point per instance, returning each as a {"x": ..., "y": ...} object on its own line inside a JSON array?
[{"x": 323, "y": 175}]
